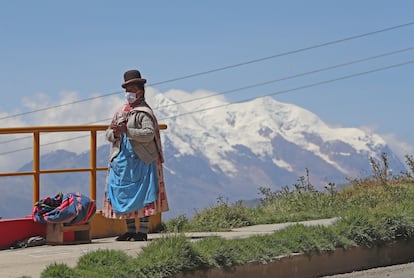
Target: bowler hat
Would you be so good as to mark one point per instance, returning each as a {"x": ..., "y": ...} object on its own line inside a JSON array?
[{"x": 133, "y": 76}]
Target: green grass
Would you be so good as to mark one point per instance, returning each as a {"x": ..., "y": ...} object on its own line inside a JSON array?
[{"x": 372, "y": 212}]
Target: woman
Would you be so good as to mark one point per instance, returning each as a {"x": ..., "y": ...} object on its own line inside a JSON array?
[{"x": 135, "y": 182}]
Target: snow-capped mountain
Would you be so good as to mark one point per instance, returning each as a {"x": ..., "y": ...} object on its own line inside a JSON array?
[
  {"x": 215, "y": 149},
  {"x": 260, "y": 125},
  {"x": 231, "y": 150}
]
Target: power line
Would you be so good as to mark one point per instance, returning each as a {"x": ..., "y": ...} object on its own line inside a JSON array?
[
  {"x": 288, "y": 77},
  {"x": 293, "y": 76},
  {"x": 287, "y": 53},
  {"x": 264, "y": 83},
  {"x": 298, "y": 88},
  {"x": 57, "y": 106},
  {"x": 228, "y": 67},
  {"x": 46, "y": 144},
  {"x": 271, "y": 94}
]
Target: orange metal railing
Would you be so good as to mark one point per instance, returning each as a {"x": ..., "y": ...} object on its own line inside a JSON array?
[{"x": 36, "y": 132}]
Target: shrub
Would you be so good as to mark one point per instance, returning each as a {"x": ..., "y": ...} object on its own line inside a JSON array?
[
  {"x": 57, "y": 270},
  {"x": 105, "y": 263},
  {"x": 166, "y": 257},
  {"x": 223, "y": 216}
]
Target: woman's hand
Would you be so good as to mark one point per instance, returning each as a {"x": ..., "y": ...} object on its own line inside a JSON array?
[{"x": 119, "y": 129}]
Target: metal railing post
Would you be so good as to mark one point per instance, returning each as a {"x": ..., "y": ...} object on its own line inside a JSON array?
[
  {"x": 93, "y": 146},
  {"x": 36, "y": 166}
]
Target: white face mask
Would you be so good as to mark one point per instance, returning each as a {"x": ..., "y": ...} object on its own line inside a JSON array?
[{"x": 130, "y": 97}]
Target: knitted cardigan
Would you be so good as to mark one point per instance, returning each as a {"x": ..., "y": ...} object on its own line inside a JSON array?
[{"x": 142, "y": 131}]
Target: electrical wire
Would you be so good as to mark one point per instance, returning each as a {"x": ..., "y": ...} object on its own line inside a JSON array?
[
  {"x": 46, "y": 144},
  {"x": 293, "y": 76},
  {"x": 263, "y": 83},
  {"x": 266, "y": 95},
  {"x": 288, "y": 53},
  {"x": 298, "y": 88},
  {"x": 227, "y": 67}
]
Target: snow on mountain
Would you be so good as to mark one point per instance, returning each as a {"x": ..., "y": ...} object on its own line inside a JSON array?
[
  {"x": 216, "y": 148},
  {"x": 215, "y": 132}
]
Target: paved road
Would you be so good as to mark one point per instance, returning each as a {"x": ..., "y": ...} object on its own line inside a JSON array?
[{"x": 395, "y": 271}]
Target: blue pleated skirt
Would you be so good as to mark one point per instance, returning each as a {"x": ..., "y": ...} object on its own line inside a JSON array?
[{"x": 132, "y": 183}]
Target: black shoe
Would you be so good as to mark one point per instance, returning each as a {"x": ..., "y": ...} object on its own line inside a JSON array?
[
  {"x": 139, "y": 237},
  {"x": 125, "y": 236}
]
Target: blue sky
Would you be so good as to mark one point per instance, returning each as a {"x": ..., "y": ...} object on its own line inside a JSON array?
[{"x": 50, "y": 48}]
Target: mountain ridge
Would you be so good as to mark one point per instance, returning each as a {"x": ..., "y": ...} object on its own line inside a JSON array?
[{"x": 230, "y": 150}]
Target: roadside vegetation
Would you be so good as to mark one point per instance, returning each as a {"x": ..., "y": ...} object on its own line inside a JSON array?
[{"x": 371, "y": 211}]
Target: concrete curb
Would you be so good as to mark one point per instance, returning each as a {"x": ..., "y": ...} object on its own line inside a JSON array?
[{"x": 318, "y": 264}]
